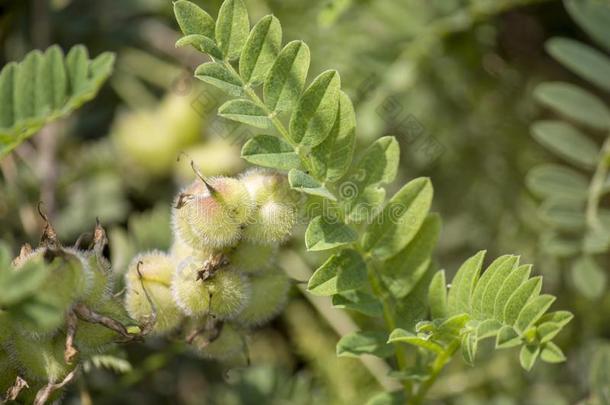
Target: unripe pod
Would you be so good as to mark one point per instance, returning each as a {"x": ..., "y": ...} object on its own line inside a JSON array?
[
  {"x": 228, "y": 344},
  {"x": 269, "y": 293},
  {"x": 69, "y": 279},
  {"x": 95, "y": 338},
  {"x": 272, "y": 223},
  {"x": 102, "y": 280},
  {"x": 224, "y": 294},
  {"x": 39, "y": 360},
  {"x": 180, "y": 252},
  {"x": 264, "y": 185},
  {"x": 153, "y": 271},
  {"x": 8, "y": 373},
  {"x": 251, "y": 258},
  {"x": 213, "y": 217}
]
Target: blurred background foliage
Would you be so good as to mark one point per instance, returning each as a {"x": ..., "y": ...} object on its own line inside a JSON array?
[{"x": 452, "y": 79}]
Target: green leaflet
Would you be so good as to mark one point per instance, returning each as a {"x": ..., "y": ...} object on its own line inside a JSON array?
[
  {"x": 246, "y": 112},
  {"x": 394, "y": 227},
  {"x": 484, "y": 295},
  {"x": 306, "y": 184},
  {"x": 344, "y": 271},
  {"x": 518, "y": 299},
  {"x": 587, "y": 62},
  {"x": 379, "y": 163},
  {"x": 270, "y": 151},
  {"x": 463, "y": 283},
  {"x": 551, "y": 353},
  {"x": 547, "y": 331},
  {"x": 528, "y": 356},
  {"x": 193, "y": 20},
  {"x": 516, "y": 277},
  {"x": 316, "y": 110},
  {"x": 550, "y": 180},
  {"x": 594, "y": 17},
  {"x": 286, "y": 79},
  {"x": 260, "y": 50},
  {"x": 401, "y": 273},
  {"x": 45, "y": 87},
  {"x": 332, "y": 158},
  {"x": 588, "y": 278},
  {"x": 488, "y": 328},
  {"x": 437, "y": 296},
  {"x": 364, "y": 342},
  {"x": 507, "y": 337},
  {"x": 567, "y": 142},
  {"x": 201, "y": 43},
  {"x": 232, "y": 28},
  {"x": 469, "y": 347},
  {"x": 325, "y": 233},
  {"x": 402, "y": 336},
  {"x": 220, "y": 76},
  {"x": 574, "y": 103},
  {"x": 356, "y": 300},
  {"x": 532, "y": 311},
  {"x": 562, "y": 214}
]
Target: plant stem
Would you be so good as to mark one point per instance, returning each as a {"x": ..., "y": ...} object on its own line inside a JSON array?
[
  {"x": 390, "y": 322},
  {"x": 437, "y": 367},
  {"x": 597, "y": 185}
]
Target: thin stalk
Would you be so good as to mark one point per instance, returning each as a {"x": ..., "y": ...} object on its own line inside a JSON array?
[
  {"x": 597, "y": 185},
  {"x": 390, "y": 322},
  {"x": 438, "y": 366}
]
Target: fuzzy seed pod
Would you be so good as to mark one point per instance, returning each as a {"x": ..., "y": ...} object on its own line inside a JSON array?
[
  {"x": 180, "y": 252},
  {"x": 251, "y": 258},
  {"x": 93, "y": 338},
  {"x": 264, "y": 185},
  {"x": 228, "y": 344},
  {"x": 8, "y": 373},
  {"x": 102, "y": 280},
  {"x": 224, "y": 294},
  {"x": 149, "y": 277},
  {"x": 213, "y": 217},
  {"x": 39, "y": 360},
  {"x": 272, "y": 223},
  {"x": 269, "y": 293}
]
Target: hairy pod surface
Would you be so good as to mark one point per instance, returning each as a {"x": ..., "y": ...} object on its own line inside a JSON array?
[
  {"x": 149, "y": 278},
  {"x": 101, "y": 280},
  {"x": 228, "y": 344},
  {"x": 180, "y": 252},
  {"x": 272, "y": 223},
  {"x": 214, "y": 216},
  {"x": 39, "y": 360},
  {"x": 223, "y": 295},
  {"x": 269, "y": 294},
  {"x": 92, "y": 338},
  {"x": 252, "y": 258}
]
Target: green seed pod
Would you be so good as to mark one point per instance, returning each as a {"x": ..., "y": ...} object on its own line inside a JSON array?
[
  {"x": 69, "y": 279},
  {"x": 228, "y": 344},
  {"x": 39, "y": 360},
  {"x": 269, "y": 293},
  {"x": 180, "y": 252},
  {"x": 216, "y": 157},
  {"x": 212, "y": 217},
  {"x": 272, "y": 223},
  {"x": 102, "y": 280},
  {"x": 251, "y": 258},
  {"x": 153, "y": 271},
  {"x": 93, "y": 338},
  {"x": 224, "y": 294},
  {"x": 264, "y": 185},
  {"x": 8, "y": 373}
]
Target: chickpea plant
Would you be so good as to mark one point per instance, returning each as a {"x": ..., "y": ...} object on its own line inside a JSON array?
[
  {"x": 380, "y": 253},
  {"x": 220, "y": 279}
]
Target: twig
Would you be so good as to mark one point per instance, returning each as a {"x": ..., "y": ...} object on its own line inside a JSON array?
[
  {"x": 70, "y": 351},
  {"x": 45, "y": 392},
  {"x": 13, "y": 392}
]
